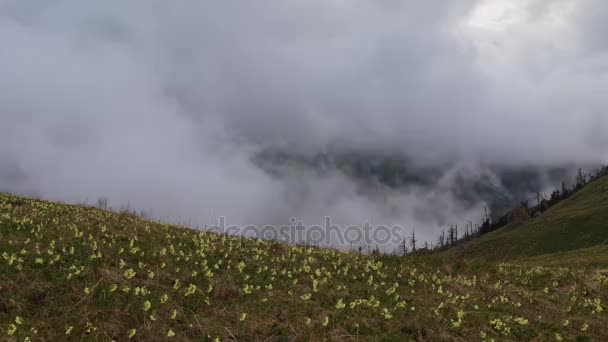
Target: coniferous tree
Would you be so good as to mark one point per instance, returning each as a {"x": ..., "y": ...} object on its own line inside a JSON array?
[
  {"x": 581, "y": 179},
  {"x": 413, "y": 240},
  {"x": 451, "y": 232},
  {"x": 441, "y": 239},
  {"x": 402, "y": 249}
]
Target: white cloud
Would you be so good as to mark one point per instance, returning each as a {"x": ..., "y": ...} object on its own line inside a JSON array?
[{"x": 163, "y": 104}]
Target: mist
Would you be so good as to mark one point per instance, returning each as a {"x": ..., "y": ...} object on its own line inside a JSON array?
[{"x": 167, "y": 106}]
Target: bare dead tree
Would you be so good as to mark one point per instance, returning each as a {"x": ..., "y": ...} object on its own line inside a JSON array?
[{"x": 413, "y": 240}]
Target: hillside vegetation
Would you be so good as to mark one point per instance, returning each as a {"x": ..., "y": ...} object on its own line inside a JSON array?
[
  {"x": 70, "y": 272},
  {"x": 580, "y": 221}
]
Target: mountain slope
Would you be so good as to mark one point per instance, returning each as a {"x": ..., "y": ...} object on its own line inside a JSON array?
[
  {"x": 580, "y": 221},
  {"x": 70, "y": 272}
]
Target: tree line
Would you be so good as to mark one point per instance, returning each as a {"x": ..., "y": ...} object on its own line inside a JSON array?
[{"x": 520, "y": 213}]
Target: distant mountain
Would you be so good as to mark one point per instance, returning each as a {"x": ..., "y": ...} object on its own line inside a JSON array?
[{"x": 500, "y": 186}]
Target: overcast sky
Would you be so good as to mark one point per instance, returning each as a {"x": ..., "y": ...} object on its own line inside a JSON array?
[{"x": 161, "y": 104}]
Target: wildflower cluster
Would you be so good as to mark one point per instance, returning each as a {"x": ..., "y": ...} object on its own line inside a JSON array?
[{"x": 86, "y": 273}]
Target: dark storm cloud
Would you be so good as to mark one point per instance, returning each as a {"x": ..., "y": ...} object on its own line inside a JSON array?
[{"x": 163, "y": 104}]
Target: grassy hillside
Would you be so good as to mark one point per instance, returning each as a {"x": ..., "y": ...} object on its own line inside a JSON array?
[
  {"x": 577, "y": 222},
  {"x": 71, "y": 272}
]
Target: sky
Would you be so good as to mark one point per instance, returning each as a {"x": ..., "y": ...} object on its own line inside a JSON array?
[{"x": 162, "y": 105}]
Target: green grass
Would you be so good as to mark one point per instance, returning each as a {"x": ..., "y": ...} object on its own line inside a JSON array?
[
  {"x": 580, "y": 221},
  {"x": 70, "y": 272}
]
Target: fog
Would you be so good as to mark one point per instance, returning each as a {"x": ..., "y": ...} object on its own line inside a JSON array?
[{"x": 164, "y": 106}]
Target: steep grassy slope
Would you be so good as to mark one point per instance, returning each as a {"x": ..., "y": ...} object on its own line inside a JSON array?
[
  {"x": 577, "y": 222},
  {"x": 71, "y": 273}
]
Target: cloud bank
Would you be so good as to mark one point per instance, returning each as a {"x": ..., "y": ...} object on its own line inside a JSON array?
[{"x": 164, "y": 105}]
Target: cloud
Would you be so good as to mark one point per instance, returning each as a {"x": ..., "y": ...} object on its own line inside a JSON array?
[{"x": 164, "y": 105}]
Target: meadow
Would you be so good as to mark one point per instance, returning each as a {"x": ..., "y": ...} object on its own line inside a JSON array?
[{"x": 74, "y": 272}]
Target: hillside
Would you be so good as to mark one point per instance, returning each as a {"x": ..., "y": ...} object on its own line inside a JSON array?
[
  {"x": 75, "y": 272},
  {"x": 577, "y": 222}
]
